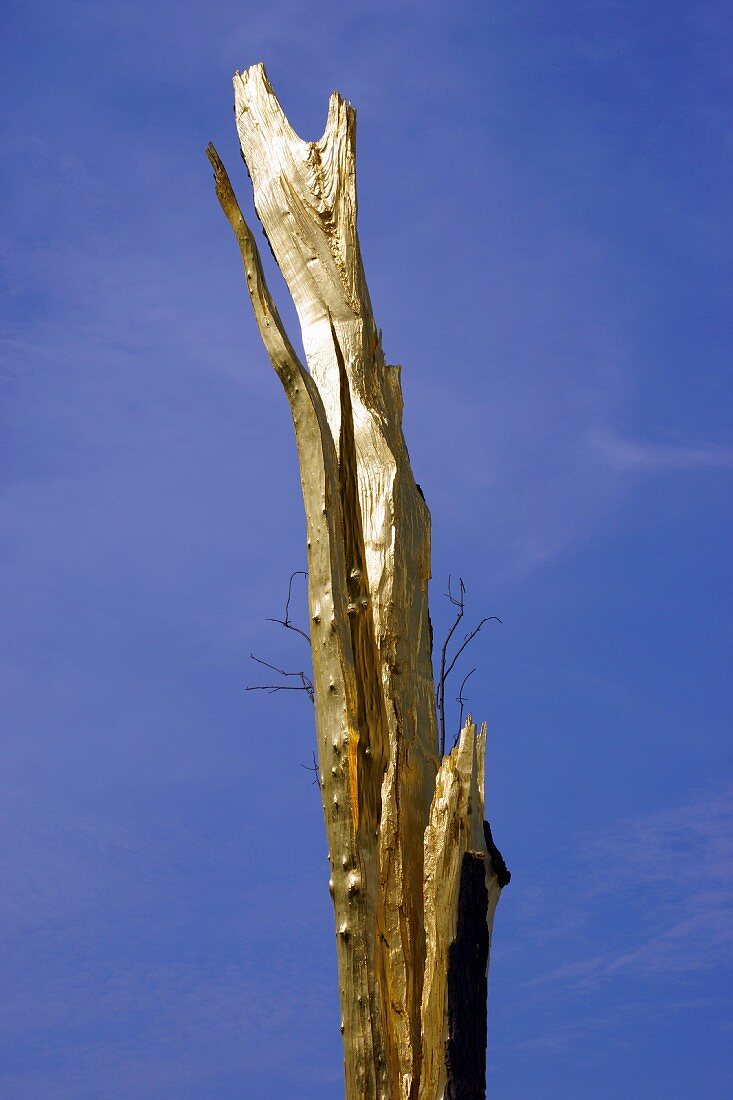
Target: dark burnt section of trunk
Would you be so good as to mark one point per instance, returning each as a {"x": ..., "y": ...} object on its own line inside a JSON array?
[
  {"x": 468, "y": 955},
  {"x": 498, "y": 866}
]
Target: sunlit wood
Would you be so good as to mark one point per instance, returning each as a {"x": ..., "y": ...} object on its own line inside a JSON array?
[{"x": 396, "y": 839}]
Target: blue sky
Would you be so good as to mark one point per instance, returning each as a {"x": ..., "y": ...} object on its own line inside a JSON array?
[{"x": 545, "y": 222}]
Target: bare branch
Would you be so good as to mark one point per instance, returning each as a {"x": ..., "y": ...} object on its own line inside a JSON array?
[
  {"x": 306, "y": 684},
  {"x": 446, "y": 668},
  {"x": 468, "y": 638},
  {"x": 440, "y": 693},
  {"x": 313, "y": 768},
  {"x": 457, "y": 602},
  {"x": 462, "y": 702},
  {"x": 286, "y": 622}
]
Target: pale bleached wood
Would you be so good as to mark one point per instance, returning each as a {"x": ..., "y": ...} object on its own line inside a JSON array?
[
  {"x": 368, "y": 532},
  {"x": 333, "y": 675},
  {"x": 305, "y": 196}
]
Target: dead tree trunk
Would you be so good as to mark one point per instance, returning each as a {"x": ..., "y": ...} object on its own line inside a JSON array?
[{"x": 405, "y": 831}]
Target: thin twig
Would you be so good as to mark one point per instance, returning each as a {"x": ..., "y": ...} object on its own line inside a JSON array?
[
  {"x": 313, "y": 768},
  {"x": 447, "y": 667},
  {"x": 440, "y": 694},
  {"x": 468, "y": 638},
  {"x": 306, "y": 684},
  {"x": 462, "y": 702},
  {"x": 286, "y": 622}
]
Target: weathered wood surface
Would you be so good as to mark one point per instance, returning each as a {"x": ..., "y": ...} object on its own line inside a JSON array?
[
  {"x": 368, "y": 534},
  {"x": 455, "y": 830}
]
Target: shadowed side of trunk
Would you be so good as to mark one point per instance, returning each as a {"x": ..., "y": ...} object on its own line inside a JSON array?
[{"x": 468, "y": 957}]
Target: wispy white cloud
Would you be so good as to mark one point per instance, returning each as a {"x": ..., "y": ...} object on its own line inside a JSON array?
[
  {"x": 672, "y": 872},
  {"x": 641, "y": 456},
  {"x": 634, "y": 924}
]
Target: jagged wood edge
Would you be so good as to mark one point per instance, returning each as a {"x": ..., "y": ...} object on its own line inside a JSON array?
[
  {"x": 312, "y": 230},
  {"x": 332, "y": 658}
]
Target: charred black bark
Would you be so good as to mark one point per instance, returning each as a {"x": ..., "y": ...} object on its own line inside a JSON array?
[
  {"x": 468, "y": 957},
  {"x": 498, "y": 866}
]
